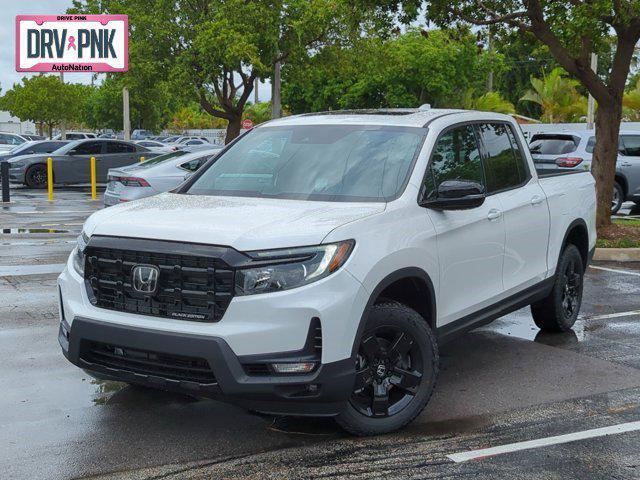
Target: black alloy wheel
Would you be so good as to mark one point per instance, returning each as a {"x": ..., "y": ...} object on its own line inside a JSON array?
[
  {"x": 36, "y": 176},
  {"x": 571, "y": 288},
  {"x": 388, "y": 372},
  {"x": 396, "y": 366},
  {"x": 558, "y": 311}
]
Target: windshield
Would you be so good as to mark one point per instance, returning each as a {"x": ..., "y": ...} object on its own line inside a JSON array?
[
  {"x": 68, "y": 147},
  {"x": 315, "y": 162}
]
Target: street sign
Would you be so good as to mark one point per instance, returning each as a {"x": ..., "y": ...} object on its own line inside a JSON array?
[
  {"x": 247, "y": 123},
  {"x": 72, "y": 43}
]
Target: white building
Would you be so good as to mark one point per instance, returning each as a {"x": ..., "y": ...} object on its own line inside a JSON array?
[{"x": 14, "y": 125}]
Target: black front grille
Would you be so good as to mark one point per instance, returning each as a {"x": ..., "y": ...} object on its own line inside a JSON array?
[
  {"x": 196, "y": 288},
  {"x": 143, "y": 362}
]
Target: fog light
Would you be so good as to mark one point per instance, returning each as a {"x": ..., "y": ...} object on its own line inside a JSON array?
[{"x": 302, "y": 367}]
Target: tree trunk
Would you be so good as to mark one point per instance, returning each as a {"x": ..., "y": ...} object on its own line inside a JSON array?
[
  {"x": 605, "y": 155},
  {"x": 233, "y": 128},
  {"x": 51, "y": 130}
]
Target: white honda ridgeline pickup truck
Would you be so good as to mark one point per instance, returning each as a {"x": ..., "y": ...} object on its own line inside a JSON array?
[{"x": 315, "y": 266}]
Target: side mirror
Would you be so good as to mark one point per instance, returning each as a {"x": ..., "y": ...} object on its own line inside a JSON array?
[
  {"x": 73, "y": 152},
  {"x": 456, "y": 195},
  {"x": 187, "y": 176}
]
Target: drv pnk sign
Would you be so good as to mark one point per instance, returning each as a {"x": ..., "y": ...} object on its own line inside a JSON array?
[{"x": 72, "y": 43}]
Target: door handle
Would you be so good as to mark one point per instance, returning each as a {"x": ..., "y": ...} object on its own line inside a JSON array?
[
  {"x": 494, "y": 214},
  {"x": 625, "y": 164},
  {"x": 536, "y": 200}
]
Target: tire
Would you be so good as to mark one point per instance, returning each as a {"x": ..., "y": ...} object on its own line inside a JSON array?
[
  {"x": 618, "y": 198},
  {"x": 396, "y": 339},
  {"x": 36, "y": 176},
  {"x": 559, "y": 310}
]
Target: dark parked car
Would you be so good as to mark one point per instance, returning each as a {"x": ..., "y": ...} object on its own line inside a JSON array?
[
  {"x": 31, "y": 148},
  {"x": 71, "y": 162}
]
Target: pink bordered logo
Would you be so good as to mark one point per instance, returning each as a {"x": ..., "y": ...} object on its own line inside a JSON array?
[{"x": 72, "y": 43}]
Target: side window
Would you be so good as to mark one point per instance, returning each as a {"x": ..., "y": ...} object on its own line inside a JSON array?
[
  {"x": 194, "y": 164},
  {"x": 502, "y": 167},
  {"x": 118, "y": 147},
  {"x": 521, "y": 161},
  {"x": 89, "y": 148},
  {"x": 455, "y": 157},
  {"x": 46, "y": 147},
  {"x": 591, "y": 144},
  {"x": 631, "y": 145}
]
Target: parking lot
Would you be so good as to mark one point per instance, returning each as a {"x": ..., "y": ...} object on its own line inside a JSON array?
[{"x": 499, "y": 386}]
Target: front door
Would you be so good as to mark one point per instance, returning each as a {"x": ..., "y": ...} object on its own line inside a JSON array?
[
  {"x": 470, "y": 242},
  {"x": 74, "y": 167}
]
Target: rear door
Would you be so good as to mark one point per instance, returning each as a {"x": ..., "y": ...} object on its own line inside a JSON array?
[
  {"x": 117, "y": 154},
  {"x": 629, "y": 163},
  {"x": 470, "y": 242},
  {"x": 524, "y": 206}
]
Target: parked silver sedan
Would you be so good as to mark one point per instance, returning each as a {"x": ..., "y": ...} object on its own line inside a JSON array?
[{"x": 154, "y": 176}]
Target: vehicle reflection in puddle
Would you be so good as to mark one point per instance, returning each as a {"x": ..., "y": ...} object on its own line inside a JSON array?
[
  {"x": 13, "y": 231},
  {"x": 105, "y": 390},
  {"x": 519, "y": 325}
]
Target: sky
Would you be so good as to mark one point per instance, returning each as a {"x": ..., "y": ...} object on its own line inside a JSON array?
[{"x": 11, "y": 8}]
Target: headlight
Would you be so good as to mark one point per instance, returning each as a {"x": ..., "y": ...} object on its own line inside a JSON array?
[
  {"x": 78, "y": 253},
  {"x": 292, "y": 267}
]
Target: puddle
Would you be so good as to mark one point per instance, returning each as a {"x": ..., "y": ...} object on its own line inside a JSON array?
[
  {"x": 13, "y": 231},
  {"x": 521, "y": 326}
]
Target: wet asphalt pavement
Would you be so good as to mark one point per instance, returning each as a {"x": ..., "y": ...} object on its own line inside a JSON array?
[{"x": 503, "y": 384}]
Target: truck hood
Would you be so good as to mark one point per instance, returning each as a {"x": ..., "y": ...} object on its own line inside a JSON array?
[{"x": 242, "y": 223}]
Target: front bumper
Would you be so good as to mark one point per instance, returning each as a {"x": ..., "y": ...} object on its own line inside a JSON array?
[
  {"x": 321, "y": 393},
  {"x": 16, "y": 175},
  {"x": 253, "y": 329}
]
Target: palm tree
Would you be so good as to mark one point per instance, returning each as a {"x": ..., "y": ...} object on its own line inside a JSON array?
[
  {"x": 558, "y": 97},
  {"x": 489, "y": 102}
]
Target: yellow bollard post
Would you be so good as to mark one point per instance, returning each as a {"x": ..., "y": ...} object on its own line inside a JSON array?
[
  {"x": 93, "y": 178},
  {"x": 141, "y": 159},
  {"x": 50, "y": 178}
]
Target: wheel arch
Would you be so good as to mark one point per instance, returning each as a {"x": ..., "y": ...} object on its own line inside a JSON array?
[
  {"x": 577, "y": 234},
  {"x": 420, "y": 295},
  {"x": 622, "y": 181}
]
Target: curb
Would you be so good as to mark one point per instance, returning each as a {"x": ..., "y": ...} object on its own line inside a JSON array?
[{"x": 617, "y": 254}]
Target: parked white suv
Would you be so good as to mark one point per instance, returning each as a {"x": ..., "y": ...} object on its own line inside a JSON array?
[{"x": 317, "y": 263}]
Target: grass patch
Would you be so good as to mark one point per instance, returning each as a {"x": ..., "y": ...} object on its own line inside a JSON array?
[
  {"x": 628, "y": 222},
  {"x": 624, "y": 233}
]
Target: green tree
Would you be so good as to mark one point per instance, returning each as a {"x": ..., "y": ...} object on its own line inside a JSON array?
[
  {"x": 489, "y": 102},
  {"x": 571, "y": 31},
  {"x": 558, "y": 97},
  {"x": 631, "y": 103},
  {"x": 407, "y": 70},
  {"x": 213, "y": 50},
  {"x": 45, "y": 100}
]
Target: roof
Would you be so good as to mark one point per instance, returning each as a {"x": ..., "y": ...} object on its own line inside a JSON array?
[{"x": 404, "y": 117}]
